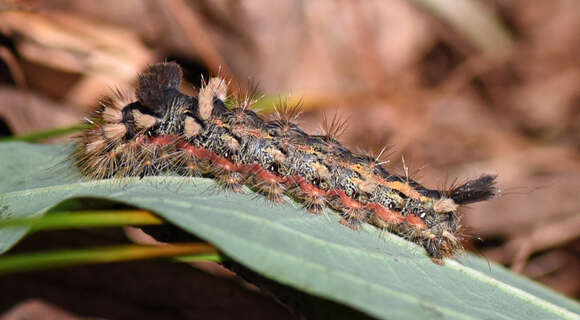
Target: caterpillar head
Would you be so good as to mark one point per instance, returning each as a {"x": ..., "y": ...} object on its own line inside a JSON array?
[
  {"x": 445, "y": 226},
  {"x": 159, "y": 96}
]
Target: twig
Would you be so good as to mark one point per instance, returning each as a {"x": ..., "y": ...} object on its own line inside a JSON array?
[
  {"x": 13, "y": 67},
  {"x": 520, "y": 248}
]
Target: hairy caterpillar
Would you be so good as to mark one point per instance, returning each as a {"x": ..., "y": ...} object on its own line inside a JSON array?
[{"x": 166, "y": 131}]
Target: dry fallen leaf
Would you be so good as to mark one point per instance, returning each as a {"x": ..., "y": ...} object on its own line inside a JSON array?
[{"x": 104, "y": 56}]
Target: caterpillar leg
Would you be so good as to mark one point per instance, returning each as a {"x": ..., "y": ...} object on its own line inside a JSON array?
[{"x": 231, "y": 181}]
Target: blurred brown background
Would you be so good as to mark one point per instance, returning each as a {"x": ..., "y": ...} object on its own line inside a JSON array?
[{"x": 458, "y": 87}]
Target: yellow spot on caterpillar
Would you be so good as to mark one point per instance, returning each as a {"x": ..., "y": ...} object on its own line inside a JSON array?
[
  {"x": 445, "y": 205},
  {"x": 215, "y": 88},
  {"x": 321, "y": 171},
  {"x": 95, "y": 146},
  {"x": 448, "y": 235},
  {"x": 429, "y": 235},
  {"x": 143, "y": 121},
  {"x": 231, "y": 142},
  {"x": 114, "y": 131},
  {"x": 191, "y": 128},
  {"x": 112, "y": 115},
  {"x": 405, "y": 189},
  {"x": 279, "y": 157},
  {"x": 368, "y": 185}
]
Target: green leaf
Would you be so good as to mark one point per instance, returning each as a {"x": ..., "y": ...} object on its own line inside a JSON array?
[
  {"x": 66, "y": 258},
  {"x": 84, "y": 219},
  {"x": 214, "y": 257},
  {"x": 380, "y": 274},
  {"x": 48, "y": 134}
]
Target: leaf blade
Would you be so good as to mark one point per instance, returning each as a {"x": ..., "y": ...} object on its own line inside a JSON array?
[{"x": 386, "y": 279}]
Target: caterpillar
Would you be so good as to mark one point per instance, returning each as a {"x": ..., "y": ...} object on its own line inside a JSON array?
[{"x": 163, "y": 131}]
